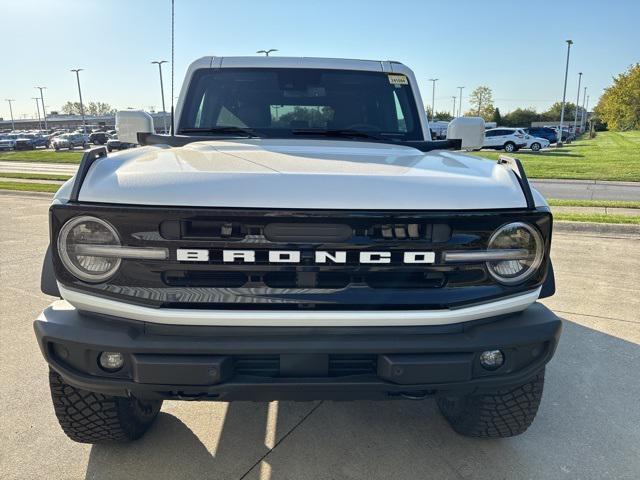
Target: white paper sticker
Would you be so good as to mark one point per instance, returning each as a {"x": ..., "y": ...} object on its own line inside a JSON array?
[{"x": 398, "y": 80}]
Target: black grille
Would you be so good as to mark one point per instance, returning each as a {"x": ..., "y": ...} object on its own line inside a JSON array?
[
  {"x": 215, "y": 284},
  {"x": 339, "y": 365}
]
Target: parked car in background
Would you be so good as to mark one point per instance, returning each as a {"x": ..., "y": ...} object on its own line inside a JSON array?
[
  {"x": 98, "y": 138},
  {"x": 507, "y": 139},
  {"x": 70, "y": 141},
  {"x": 543, "y": 132},
  {"x": 7, "y": 142},
  {"x": 114, "y": 144},
  {"x": 534, "y": 143}
]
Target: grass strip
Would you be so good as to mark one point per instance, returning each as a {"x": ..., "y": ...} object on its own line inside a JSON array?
[
  {"x": 36, "y": 176},
  {"x": 29, "y": 187},
  {"x": 595, "y": 218},
  {"x": 555, "y": 202}
]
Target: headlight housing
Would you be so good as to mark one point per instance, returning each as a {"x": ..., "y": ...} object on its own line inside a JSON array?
[
  {"x": 516, "y": 236},
  {"x": 85, "y": 231}
]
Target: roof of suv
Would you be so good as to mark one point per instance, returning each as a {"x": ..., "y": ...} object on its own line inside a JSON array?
[{"x": 299, "y": 62}]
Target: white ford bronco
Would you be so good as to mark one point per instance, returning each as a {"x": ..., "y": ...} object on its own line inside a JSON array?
[{"x": 297, "y": 236}]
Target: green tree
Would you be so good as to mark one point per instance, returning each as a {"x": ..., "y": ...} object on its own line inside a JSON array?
[
  {"x": 520, "y": 117},
  {"x": 98, "y": 108},
  {"x": 496, "y": 117},
  {"x": 553, "y": 114},
  {"x": 443, "y": 116},
  {"x": 71, "y": 108},
  {"x": 619, "y": 105},
  {"x": 481, "y": 101}
]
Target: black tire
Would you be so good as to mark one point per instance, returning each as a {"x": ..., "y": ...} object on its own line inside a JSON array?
[
  {"x": 509, "y": 147},
  {"x": 535, "y": 147},
  {"x": 505, "y": 412},
  {"x": 110, "y": 149},
  {"x": 89, "y": 417}
]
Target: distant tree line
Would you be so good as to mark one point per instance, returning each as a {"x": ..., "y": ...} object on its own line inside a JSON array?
[{"x": 91, "y": 108}]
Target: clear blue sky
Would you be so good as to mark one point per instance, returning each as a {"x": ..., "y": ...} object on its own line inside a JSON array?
[{"x": 516, "y": 48}]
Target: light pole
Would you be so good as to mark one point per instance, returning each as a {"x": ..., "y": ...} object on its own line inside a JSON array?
[
  {"x": 460, "y": 102},
  {"x": 77, "y": 72},
  {"x": 13, "y": 125},
  {"x": 584, "y": 97},
  {"x": 454, "y": 106},
  {"x": 575, "y": 117},
  {"x": 38, "y": 107},
  {"x": 564, "y": 94},
  {"x": 433, "y": 97},
  {"x": 44, "y": 111},
  {"x": 586, "y": 115},
  {"x": 267, "y": 52},
  {"x": 164, "y": 113}
]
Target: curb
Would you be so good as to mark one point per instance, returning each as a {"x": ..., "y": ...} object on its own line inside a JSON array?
[{"x": 560, "y": 226}]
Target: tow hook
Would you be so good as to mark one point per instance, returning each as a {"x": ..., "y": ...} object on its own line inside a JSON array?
[{"x": 417, "y": 395}]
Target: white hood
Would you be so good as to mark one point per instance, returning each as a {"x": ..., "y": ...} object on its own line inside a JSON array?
[{"x": 293, "y": 174}]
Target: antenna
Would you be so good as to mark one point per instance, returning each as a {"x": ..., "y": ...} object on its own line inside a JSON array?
[{"x": 173, "y": 127}]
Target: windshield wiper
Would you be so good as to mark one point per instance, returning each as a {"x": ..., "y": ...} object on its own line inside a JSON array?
[
  {"x": 222, "y": 130},
  {"x": 338, "y": 133}
]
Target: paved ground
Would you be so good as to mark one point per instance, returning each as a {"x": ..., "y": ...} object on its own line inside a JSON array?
[
  {"x": 588, "y": 189},
  {"x": 36, "y": 167},
  {"x": 588, "y": 425}
]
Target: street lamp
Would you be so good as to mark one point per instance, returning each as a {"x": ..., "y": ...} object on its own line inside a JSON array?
[
  {"x": 164, "y": 112},
  {"x": 44, "y": 111},
  {"x": 38, "y": 107},
  {"x": 454, "y": 106},
  {"x": 13, "y": 125},
  {"x": 433, "y": 97},
  {"x": 267, "y": 52},
  {"x": 575, "y": 117},
  {"x": 460, "y": 102},
  {"x": 582, "y": 114},
  {"x": 77, "y": 72},
  {"x": 564, "y": 94}
]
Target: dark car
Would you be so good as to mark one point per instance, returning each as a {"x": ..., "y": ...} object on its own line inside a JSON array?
[
  {"x": 114, "y": 144},
  {"x": 98, "y": 138},
  {"x": 543, "y": 132}
]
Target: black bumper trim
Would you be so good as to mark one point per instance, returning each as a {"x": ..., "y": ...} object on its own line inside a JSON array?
[{"x": 420, "y": 349}]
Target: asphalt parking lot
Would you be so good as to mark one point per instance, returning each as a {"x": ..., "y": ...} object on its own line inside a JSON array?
[{"x": 588, "y": 425}]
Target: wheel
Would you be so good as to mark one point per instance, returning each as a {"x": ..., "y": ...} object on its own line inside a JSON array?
[
  {"x": 57, "y": 148},
  {"x": 89, "y": 417},
  {"x": 110, "y": 149},
  {"x": 71, "y": 146},
  {"x": 509, "y": 147},
  {"x": 535, "y": 147},
  {"x": 502, "y": 413}
]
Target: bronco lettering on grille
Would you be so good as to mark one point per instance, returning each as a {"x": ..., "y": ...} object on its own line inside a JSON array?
[{"x": 295, "y": 256}]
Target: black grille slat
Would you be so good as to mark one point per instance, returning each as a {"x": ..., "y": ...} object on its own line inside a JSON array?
[{"x": 340, "y": 365}]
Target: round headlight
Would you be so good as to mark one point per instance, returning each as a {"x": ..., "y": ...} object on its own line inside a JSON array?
[
  {"x": 86, "y": 231},
  {"x": 516, "y": 236}
]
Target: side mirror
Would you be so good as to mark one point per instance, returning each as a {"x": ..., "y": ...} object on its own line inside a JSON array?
[
  {"x": 131, "y": 122},
  {"x": 468, "y": 129}
]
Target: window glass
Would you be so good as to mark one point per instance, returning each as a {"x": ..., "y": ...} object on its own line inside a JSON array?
[{"x": 277, "y": 101}]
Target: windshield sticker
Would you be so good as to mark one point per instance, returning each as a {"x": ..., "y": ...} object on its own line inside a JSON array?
[{"x": 398, "y": 80}]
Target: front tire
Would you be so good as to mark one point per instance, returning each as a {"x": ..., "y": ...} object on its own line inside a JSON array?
[
  {"x": 505, "y": 412},
  {"x": 535, "y": 147},
  {"x": 90, "y": 417},
  {"x": 509, "y": 147}
]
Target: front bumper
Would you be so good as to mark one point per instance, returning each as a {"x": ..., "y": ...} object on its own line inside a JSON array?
[{"x": 297, "y": 363}]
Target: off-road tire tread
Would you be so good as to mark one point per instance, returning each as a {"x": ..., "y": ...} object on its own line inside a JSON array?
[
  {"x": 504, "y": 413},
  {"x": 91, "y": 417}
]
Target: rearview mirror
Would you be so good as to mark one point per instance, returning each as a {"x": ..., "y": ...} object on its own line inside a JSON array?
[
  {"x": 468, "y": 129},
  {"x": 131, "y": 122}
]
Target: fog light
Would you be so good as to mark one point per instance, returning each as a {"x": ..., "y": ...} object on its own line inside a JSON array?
[
  {"x": 111, "y": 361},
  {"x": 492, "y": 359}
]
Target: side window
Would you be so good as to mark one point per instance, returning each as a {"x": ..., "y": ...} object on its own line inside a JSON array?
[
  {"x": 491, "y": 133},
  {"x": 402, "y": 123}
]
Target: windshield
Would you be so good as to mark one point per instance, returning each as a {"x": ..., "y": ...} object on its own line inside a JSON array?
[{"x": 278, "y": 102}]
